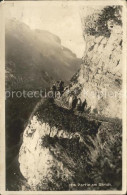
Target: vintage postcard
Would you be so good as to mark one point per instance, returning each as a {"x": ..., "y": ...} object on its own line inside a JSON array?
[{"x": 63, "y": 97}]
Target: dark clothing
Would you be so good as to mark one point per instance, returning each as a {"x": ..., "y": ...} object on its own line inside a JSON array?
[
  {"x": 84, "y": 105},
  {"x": 54, "y": 90},
  {"x": 61, "y": 87},
  {"x": 74, "y": 102}
]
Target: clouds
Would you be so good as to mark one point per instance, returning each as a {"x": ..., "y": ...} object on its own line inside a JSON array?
[{"x": 61, "y": 18}]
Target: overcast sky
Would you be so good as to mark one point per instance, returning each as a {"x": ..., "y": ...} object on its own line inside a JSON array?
[{"x": 62, "y": 19}]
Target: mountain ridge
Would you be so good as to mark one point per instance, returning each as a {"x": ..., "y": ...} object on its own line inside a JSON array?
[{"x": 36, "y": 51}]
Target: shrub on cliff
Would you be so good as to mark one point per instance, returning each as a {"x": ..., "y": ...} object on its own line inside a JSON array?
[
  {"x": 105, "y": 157},
  {"x": 96, "y": 24}
]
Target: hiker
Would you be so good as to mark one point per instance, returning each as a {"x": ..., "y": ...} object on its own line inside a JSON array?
[
  {"x": 84, "y": 105},
  {"x": 54, "y": 90},
  {"x": 74, "y": 102},
  {"x": 57, "y": 85},
  {"x": 61, "y": 87},
  {"x": 79, "y": 104}
]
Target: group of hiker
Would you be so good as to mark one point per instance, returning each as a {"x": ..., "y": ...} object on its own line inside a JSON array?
[
  {"x": 58, "y": 87},
  {"x": 76, "y": 103}
]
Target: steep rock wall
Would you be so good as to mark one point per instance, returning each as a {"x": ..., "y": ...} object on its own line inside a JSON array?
[
  {"x": 99, "y": 79},
  {"x": 37, "y": 164}
]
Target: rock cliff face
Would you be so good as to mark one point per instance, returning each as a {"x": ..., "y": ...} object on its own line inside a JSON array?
[
  {"x": 99, "y": 79},
  {"x": 37, "y": 161}
]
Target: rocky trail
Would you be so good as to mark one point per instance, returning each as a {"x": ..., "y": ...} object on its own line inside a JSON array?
[{"x": 61, "y": 104}]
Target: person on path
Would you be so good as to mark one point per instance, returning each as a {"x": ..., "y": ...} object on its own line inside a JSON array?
[
  {"x": 61, "y": 87},
  {"x": 79, "y": 104},
  {"x": 74, "y": 102},
  {"x": 54, "y": 90},
  {"x": 84, "y": 105}
]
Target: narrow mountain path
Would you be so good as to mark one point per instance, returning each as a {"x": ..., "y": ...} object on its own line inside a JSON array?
[{"x": 60, "y": 103}]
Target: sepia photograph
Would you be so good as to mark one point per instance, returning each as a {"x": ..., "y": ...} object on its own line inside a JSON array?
[{"x": 64, "y": 96}]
